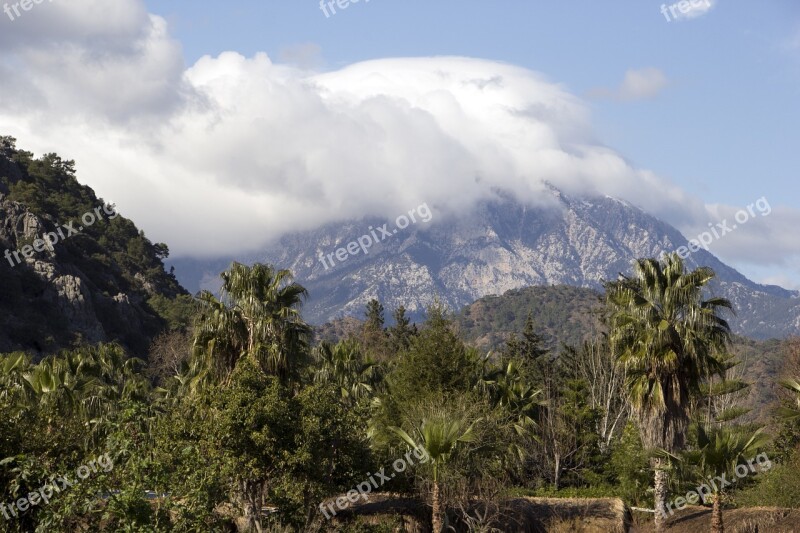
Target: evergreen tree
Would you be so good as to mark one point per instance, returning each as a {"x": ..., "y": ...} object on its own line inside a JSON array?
[
  {"x": 401, "y": 333},
  {"x": 374, "y": 314},
  {"x": 374, "y": 337},
  {"x": 532, "y": 345}
]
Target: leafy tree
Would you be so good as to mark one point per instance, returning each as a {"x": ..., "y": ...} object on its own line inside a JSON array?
[
  {"x": 531, "y": 347},
  {"x": 179, "y": 312},
  {"x": 65, "y": 407},
  {"x": 629, "y": 465},
  {"x": 255, "y": 441},
  {"x": 436, "y": 362},
  {"x": 374, "y": 337},
  {"x": 667, "y": 338}
]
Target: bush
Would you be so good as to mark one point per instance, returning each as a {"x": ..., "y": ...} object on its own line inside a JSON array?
[
  {"x": 778, "y": 487},
  {"x": 596, "y": 491}
]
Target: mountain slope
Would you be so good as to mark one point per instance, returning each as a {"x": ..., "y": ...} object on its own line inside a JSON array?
[
  {"x": 503, "y": 245},
  {"x": 104, "y": 282}
]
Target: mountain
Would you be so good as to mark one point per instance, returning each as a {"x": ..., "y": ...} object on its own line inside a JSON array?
[
  {"x": 561, "y": 314},
  {"x": 499, "y": 246},
  {"x": 99, "y": 280}
]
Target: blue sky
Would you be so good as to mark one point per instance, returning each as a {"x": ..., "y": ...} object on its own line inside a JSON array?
[{"x": 284, "y": 119}]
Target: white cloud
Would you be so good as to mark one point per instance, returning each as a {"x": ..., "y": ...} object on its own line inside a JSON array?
[
  {"x": 638, "y": 85},
  {"x": 760, "y": 233},
  {"x": 787, "y": 282},
  {"x": 226, "y": 154}
]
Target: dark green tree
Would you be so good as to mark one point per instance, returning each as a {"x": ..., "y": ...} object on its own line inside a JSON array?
[
  {"x": 374, "y": 315},
  {"x": 401, "y": 334}
]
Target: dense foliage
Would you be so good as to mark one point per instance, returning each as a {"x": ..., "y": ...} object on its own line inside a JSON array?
[{"x": 240, "y": 422}]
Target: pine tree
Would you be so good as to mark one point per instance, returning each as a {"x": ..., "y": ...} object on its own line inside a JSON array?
[
  {"x": 401, "y": 333},
  {"x": 374, "y": 314},
  {"x": 374, "y": 337},
  {"x": 531, "y": 346}
]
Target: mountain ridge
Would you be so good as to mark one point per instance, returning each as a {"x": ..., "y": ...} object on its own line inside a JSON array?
[{"x": 502, "y": 245}]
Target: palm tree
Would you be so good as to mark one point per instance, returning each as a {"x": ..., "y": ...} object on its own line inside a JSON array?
[
  {"x": 719, "y": 452},
  {"x": 65, "y": 383},
  {"x": 506, "y": 387},
  {"x": 13, "y": 387},
  {"x": 346, "y": 367},
  {"x": 257, "y": 317},
  {"x": 441, "y": 436},
  {"x": 667, "y": 338},
  {"x": 791, "y": 413}
]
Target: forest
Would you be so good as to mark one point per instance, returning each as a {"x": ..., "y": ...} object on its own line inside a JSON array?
[{"x": 238, "y": 419}]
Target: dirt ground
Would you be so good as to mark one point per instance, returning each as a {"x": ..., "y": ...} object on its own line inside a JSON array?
[
  {"x": 523, "y": 515},
  {"x": 747, "y": 520}
]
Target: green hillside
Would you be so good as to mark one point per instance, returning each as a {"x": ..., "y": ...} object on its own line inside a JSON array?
[{"x": 106, "y": 282}]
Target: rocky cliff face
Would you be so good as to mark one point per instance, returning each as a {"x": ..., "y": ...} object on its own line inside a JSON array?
[
  {"x": 79, "y": 290},
  {"x": 504, "y": 245}
]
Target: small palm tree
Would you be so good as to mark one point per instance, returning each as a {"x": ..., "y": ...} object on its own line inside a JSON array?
[
  {"x": 791, "y": 413},
  {"x": 441, "y": 436},
  {"x": 13, "y": 387},
  {"x": 667, "y": 338},
  {"x": 65, "y": 383},
  {"x": 719, "y": 451},
  {"x": 343, "y": 365}
]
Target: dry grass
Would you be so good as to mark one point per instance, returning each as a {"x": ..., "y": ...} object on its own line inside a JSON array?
[
  {"x": 746, "y": 520},
  {"x": 534, "y": 515}
]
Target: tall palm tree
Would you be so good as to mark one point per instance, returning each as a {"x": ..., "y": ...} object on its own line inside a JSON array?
[
  {"x": 441, "y": 436},
  {"x": 258, "y": 317},
  {"x": 719, "y": 451},
  {"x": 667, "y": 338}
]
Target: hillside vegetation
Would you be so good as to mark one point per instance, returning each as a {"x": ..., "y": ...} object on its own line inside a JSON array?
[{"x": 105, "y": 283}]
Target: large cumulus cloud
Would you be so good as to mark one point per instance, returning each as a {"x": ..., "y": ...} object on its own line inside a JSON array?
[{"x": 224, "y": 155}]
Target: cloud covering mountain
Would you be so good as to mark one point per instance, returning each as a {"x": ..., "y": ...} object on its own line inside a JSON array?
[{"x": 226, "y": 155}]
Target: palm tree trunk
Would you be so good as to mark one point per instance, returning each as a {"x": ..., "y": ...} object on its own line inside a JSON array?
[
  {"x": 436, "y": 520},
  {"x": 660, "y": 495},
  {"x": 557, "y": 470},
  {"x": 716, "y": 515}
]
